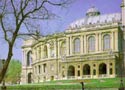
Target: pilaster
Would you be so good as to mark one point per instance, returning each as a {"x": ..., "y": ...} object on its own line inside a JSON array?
[
  {"x": 97, "y": 70},
  {"x": 97, "y": 42},
  {"x": 36, "y": 53},
  {"x": 100, "y": 42},
  {"x": 48, "y": 48},
  {"x": 91, "y": 70},
  {"x": 81, "y": 44},
  {"x": 67, "y": 46},
  {"x": 42, "y": 51},
  {"x": 108, "y": 68},
  {"x": 113, "y": 69},
  {"x": 76, "y": 71},
  {"x": 24, "y": 61},
  {"x": 58, "y": 48},
  {"x": 71, "y": 45},
  {"x": 116, "y": 41},
  {"x": 113, "y": 41},
  {"x": 85, "y": 44},
  {"x": 55, "y": 48}
]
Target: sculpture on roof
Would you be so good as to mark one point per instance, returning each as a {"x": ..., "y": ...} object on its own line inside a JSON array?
[{"x": 92, "y": 12}]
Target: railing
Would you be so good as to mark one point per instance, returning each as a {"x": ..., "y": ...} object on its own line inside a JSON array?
[
  {"x": 93, "y": 26},
  {"x": 87, "y": 77},
  {"x": 103, "y": 76},
  {"x": 82, "y": 58},
  {"x": 72, "y": 77}
]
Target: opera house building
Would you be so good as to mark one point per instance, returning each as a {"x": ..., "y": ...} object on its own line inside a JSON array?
[{"x": 90, "y": 48}]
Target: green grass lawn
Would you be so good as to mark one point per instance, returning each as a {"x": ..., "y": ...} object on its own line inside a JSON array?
[
  {"x": 108, "y": 82},
  {"x": 75, "y": 84}
]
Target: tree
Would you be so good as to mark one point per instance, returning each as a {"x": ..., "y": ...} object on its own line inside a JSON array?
[
  {"x": 14, "y": 14},
  {"x": 14, "y": 72}
]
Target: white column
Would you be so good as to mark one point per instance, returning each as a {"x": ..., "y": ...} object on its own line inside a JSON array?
[
  {"x": 97, "y": 42},
  {"x": 48, "y": 48},
  {"x": 58, "y": 48},
  {"x": 23, "y": 61},
  {"x": 85, "y": 44},
  {"x": 71, "y": 45},
  {"x": 100, "y": 42},
  {"x": 55, "y": 48},
  {"x": 67, "y": 46},
  {"x": 81, "y": 46},
  {"x": 108, "y": 69},
  {"x": 42, "y": 52},
  {"x": 113, "y": 44},
  {"x": 36, "y": 53},
  {"x": 111, "y": 41},
  {"x": 32, "y": 55},
  {"x": 116, "y": 41},
  {"x": 25, "y": 56}
]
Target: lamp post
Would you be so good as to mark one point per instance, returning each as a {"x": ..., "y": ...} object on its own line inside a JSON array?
[
  {"x": 121, "y": 80},
  {"x": 82, "y": 83},
  {"x": 122, "y": 27}
]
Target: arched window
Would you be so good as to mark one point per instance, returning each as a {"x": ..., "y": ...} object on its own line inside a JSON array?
[
  {"x": 91, "y": 43},
  {"x": 86, "y": 69},
  {"x": 106, "y": 42},
  {"x": 29, "y": 58},
  {"x": 45, "y": 52},
  {"x": 102, "y": 68},
  {"x": 77, "y": 45},
  {"x": 71, "y": 71},
  {"x": 63, "y": 48}
]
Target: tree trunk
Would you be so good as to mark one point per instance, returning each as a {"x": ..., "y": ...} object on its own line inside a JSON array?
[{"x": 6, "y": 64}]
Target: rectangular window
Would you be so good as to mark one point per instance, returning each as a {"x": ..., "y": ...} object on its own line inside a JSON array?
[
  {"x": 39, "y": 67},
  {"x": 110, "y": 71},
  {"x": 78, "y": 73},
  {"x": 44, "y": 68}
]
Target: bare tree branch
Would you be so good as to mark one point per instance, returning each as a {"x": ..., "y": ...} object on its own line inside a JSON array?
[
  {"x": 17, "y": 13},
  {"x": 4, "y": 30},
  {"x": 12, "y": 3},
  {"x": 36, "y": 9}
]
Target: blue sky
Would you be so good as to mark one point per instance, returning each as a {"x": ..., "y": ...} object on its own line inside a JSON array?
[{"x": 65, "y": 16}]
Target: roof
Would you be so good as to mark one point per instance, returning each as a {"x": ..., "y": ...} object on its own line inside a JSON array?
[{"x": 95, "y": 20}]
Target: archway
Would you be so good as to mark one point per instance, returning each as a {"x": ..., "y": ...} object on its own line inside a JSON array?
[
  {"x": 102, "y": 68},
  {"x": 86, "y": 69},
  {"x": 30, "y": 77},
  {"x": 71, "y": 71}
]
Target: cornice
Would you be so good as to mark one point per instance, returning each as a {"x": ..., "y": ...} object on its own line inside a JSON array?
[{"x": 56, "y": 36}]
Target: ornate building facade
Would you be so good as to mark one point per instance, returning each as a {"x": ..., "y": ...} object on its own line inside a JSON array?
[{"x": 89, "y": 48}]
